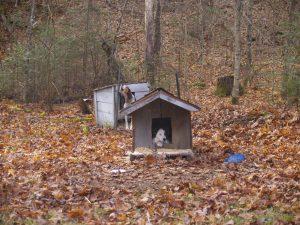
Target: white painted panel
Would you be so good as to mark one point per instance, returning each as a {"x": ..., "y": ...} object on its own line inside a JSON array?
[
  {"x": 139, "y": 87},
  {"x": 105, "y": 95},
  {"x": 105, "y": 107},
  {"x": 106, "y": 119},
  {"x": 104, "y": 102}
]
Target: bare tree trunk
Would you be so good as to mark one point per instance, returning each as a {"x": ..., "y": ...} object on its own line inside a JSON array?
[
  {"x": 149, "y": 27},
  {"x": 287, "y": 45},
  {"x": 28, "y": 69},
  {"x": 153, "y": 43},
  {"x": 110, "y": 51},
  {"x": 237, "y": 51},
  {"x": 249, "y": 43},
  {"x": 157, "y": 35},
  {"x": 49, "y": 45},
  {"x": 86, "y": 41},
  {"x": 202, "y": 13},
  {"x": 185, "y": 59}
]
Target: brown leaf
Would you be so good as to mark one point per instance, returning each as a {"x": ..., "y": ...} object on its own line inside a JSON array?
[
  {"x": 177, "y": 204},
  {"x": 150, "y": 159},
  {"x": 76, "y": 213},
  {"x": 58, "y": 195}
]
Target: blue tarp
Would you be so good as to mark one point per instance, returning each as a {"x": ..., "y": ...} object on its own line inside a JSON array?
[{"x": 235, "y": 158}]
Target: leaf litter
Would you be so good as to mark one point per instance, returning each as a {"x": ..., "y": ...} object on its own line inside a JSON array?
[{"x": 59, "y": 168}]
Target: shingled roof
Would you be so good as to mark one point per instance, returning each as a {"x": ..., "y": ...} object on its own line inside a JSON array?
[{"x": 159, "y": 94}]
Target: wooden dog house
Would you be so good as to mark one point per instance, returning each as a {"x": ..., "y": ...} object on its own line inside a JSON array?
[
  {"x": 161, "y": 109},
  {"x": 108, "y": 103}
]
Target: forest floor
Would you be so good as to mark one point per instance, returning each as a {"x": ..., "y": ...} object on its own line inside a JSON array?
[{"x": 57, "y": 168}]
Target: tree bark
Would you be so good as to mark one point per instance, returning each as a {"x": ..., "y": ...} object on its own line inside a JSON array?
[
  {"x": 28, "y": 69},
  {"x": 287, "y": 46},
  {"x": 157, "y": 39},
  {"x": 249, "y": 42},
  {"x": 49, "y": 42},
  {"x": 149, "y": 28},
  {"x": 153, "y": 42},
  {"x": 86, "y": 41},
  {"x": 202, "y": 11},
  {"x": 237, "y": 51}
]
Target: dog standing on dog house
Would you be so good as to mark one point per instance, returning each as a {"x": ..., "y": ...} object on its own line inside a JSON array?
[{"x": 129, "y": 98}]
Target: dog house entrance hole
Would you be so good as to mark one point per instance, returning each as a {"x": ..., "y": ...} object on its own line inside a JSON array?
[{"x": 162, "y": 123}]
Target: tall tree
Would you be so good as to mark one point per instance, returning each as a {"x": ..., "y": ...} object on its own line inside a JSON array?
[
  {"x": 153, "y": 38},
  {"x": 291, "y": 74},
  {"x": 28, "y": 70},
  {"x": 49, "y": 45},
  {"x": 249, "y": 42},
  {"x": 86, "y": 39},
  {"x": 202, "y": 12},
  {"x": 157, "y": 39},
  {"x": 205, "y": 15},
  {"x": 237, "y": 51},
  {"x": 288, "y": 45}
]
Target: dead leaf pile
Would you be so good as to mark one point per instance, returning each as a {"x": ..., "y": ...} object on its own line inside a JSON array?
[{"x": 59, "y": 168}]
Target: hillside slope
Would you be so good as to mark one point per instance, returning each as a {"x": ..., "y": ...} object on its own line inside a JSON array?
[{"x": 180, "y": 32}]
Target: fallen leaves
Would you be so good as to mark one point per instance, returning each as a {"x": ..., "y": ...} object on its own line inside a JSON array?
[
  {"x": 76, "y": 213},
  {"x": 60, "y": 167}
]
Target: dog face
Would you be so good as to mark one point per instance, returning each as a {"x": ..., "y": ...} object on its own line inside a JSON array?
[
  {"x": 127, "y": 94},
  {"x": 125, "y": 89},
  {"x": 160, "y": 138}
]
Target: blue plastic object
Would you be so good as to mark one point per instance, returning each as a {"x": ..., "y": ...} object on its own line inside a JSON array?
[{"x": 235, "y": 158}]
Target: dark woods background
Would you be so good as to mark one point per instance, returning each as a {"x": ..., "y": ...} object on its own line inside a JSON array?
[{"x": 57, "y": 51}]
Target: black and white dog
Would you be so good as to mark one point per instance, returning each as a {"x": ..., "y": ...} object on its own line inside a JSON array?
[
  {"x": 160, "y": 138},
  {"x": 128, "y": 99}
]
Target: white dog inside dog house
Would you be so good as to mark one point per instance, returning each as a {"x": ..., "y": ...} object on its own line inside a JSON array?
[{"x": 161, "y": 124}]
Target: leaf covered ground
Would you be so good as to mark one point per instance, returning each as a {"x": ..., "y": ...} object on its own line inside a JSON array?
[{"x": 59, "y": 168}]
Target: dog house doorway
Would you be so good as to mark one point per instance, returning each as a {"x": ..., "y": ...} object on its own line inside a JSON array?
[{"x": 162, "y": 123}]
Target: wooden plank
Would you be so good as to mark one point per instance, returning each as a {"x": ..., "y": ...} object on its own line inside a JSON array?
[
  {"x": 142, "y": 128},
  {"x": 180, "y": 128}
]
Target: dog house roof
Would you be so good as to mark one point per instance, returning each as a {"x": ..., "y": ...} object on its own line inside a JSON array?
[{"x": 159, "y": 94}]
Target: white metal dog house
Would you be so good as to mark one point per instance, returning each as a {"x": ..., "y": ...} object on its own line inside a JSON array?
[{"x": 107, "y": 102}]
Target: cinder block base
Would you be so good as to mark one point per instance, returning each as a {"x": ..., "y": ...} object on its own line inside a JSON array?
[{"x": 162, "y": 153}]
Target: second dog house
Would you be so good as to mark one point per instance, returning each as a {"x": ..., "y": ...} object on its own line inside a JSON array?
[
  {"x": 108, "y": 103},
  {"x": 161, "y": 110}
]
